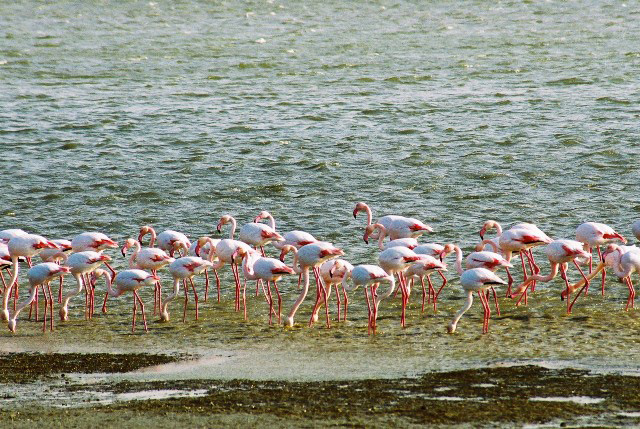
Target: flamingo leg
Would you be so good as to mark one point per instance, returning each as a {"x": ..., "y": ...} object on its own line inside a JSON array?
[
  {"x": 50, "y": 305},
  {"x": 510, "y": 282},
  {"x": 374, "y": 293},
  {"x": 632, "y": 294},
  {"x": 104, "y": 303},
  {"x": 60, "y": 290},
  {"x": 604, "y": 272},
  {"x": 532, "y": 267},
  {"x": 487, "y": 312},
  {"x": 435, "y": 298},
  {"x": 584, "y": 288},
  {"x": 244, "y": 299},
  {"x": 46, "y": 305},
  {"x": 275, "y": 285},
  {"x": 337, "y": 299},
  {"x": 270, "y": 299},
  {"x": 346, "y": 303},
  {"x": 424, "y": 292},
  {"x": 366, "y": 295},
  {"x": 206, "y": 285},
  {"x": 217, "y": 283},
  {"x": 144, "y": 316},
  {"x": 195, "y": 296},
  {"x": 186, "y": 300}
]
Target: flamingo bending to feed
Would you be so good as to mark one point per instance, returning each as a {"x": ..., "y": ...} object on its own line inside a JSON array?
[
  {"x": 130, "y": 281},
  {"x": 268, "y": 270},
  {"x": 56, "y": 255},
  {"x": 370, "y": 276},
  {"x": 80, "y": 264},
  {"x": 258, "y": 235},
  {"x": 476, "y": 280},
  {"x": 310, "y": 256},
  {"x": 409, "y": 243},
  {"x": 331, "y": 273},
  {"x": 396, "y": 260},
  {"x": 560, "y": 253},
  {"x": 40, "y": 275},
  {"x": 593, "y": 234},
  {"x": 27, "y": 246},
  {"x": 147, "y": 258},
  {"x": 182, "y": 269},
  {"x": 396, "y": 226}
]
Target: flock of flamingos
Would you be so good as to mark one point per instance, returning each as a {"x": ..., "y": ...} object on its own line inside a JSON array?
[{"x": 402, "y": 262}]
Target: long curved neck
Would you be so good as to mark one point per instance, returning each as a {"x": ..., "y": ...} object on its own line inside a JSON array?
[
  {"x": 392, "y": 287},
  {"x": 7, "y": 292},
  {"x": 233, "y": 227},
  {"x": 65, "y": 300},
  {"x": 302, "y": 295},
  {"x": 458, "y": 260},
  {"x": 493, "y": 244},
  {"x": 296, "y": 263},
  {"x": 619, "y": 269},
  {"x": 272, "y": 222},
  {"x": 247, "y": 268},
  {"x": 153, "y": 238},
  {"x": 33, "y": 291},
  {"x": 369, "y": 215},
  {"x": 107, "y": 279},
  {"x": 498, "y": 228},
  {"x": 382, "y": 233},
  {"x": 174, "y": 293},
  {"x": 548, "y": 277},
  {"x": 132, "y": 259},
  {"x": 467, "y": 306}
]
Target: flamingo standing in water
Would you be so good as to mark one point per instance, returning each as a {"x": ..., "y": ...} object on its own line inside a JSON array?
[
  {"x": 8, "y": 234},
  {"x": 259, "y": 235},
  {"x": 26, "y": 246},
  {"x": 224, "y": 251},
  {"x": 370, "y": 276},
  {"x": 268, "y": 270},
  {"x": 331, "y": 273},
  {"x": 308, "y": 257},
  {"x": 40, "y": 275},
  {"x": 182, "y": 269},
  {"x": 170, "y": 241},
  {"x": 409, "y": 242},
  {"x": 560, "y": 253},
  {"x": 476, "y": 280},
  {"x": 396, "y": 260},
  {"x": 593, "y": 234},
  {"x": 424, "y": 268},
  {"x": 205, "y": 253},
  {"x": 396, "y": 226},
  {"x": 147, "y": 258},
  {"x": 130, "y": 281},
  {"x": 81, "y": 264}
]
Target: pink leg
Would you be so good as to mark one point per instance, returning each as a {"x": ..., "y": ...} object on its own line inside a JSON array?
[
  {"x": 46, "y": 305},
  {"x": 510, "y": 281},
  {"x": 374, "y": 293},
  {"x": 487, "y": 312},
  {"x": 275, "y": 285},
  {"x": 604, "y": 272},
  {"x": 435, "y": 298},
  {"x": 424, "y": 292},
  {"x": 270, "y": 299},
  {"x": 366, "y": 295},
  {"x": 346, "y": 303},
  {"x": 217, "y": 283},
  {"x": 195, "y": 297},
  {"x": 144, "y": 316},
  {"x": 50, "y": 306},
  {"x": 186, "y": 300},
  {"x": 60, "y": 290},
  {"x": 495, "y": 299},
  {"x": 206, "y": 285},
  {"x": 133, "y": 323}
]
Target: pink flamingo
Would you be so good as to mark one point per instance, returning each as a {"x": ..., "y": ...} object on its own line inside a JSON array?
[
  {"x": 593, "y": 234},
  {"x": 39, "y": 275},
  {"x": 147, "y": 258},
  {"x": 370, "y": 276},
  {"x": 426, "y": 266},
  {"x": 130, "y": 281},
  {"x": 224, "y": 251},
  {"x": 396, "y": 226},
  {"x": 170, "y": 241},
  {"x": 8, "y": 234},
  {"x": 476, "y": 280},
  {"x": 560, "y": 253},
  {"x": 409, "y": 242},
  {"x": 396, "y": 260},
  {"x": 204, "y": 252},
  {"x": 331, "y": 273},
  {"x": 259, "y": 235},
  {"x": 182, "y": 269},
  {"x": 268, "y": 270},
  {"x": 308, "y": 257},
  {"x": 81, "y": 264},
  {"x": 26, "y": 246}
]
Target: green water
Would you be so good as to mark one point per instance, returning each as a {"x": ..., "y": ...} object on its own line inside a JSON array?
[{"x": 119, "y": 114}]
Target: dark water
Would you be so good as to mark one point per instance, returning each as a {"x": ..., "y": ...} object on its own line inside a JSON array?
[{"x": 118, "y": 114}]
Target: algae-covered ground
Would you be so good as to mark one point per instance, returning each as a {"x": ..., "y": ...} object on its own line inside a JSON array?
[{"x": 482, "y": 397}]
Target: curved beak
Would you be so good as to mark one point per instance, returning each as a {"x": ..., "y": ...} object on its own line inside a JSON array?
[{"x": 219, "y": 227}]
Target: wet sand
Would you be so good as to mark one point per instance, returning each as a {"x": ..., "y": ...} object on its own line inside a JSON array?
[{"x": 486, "y": 397}]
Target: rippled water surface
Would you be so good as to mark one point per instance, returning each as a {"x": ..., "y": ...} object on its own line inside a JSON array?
[{"x": 118, "y": 114}]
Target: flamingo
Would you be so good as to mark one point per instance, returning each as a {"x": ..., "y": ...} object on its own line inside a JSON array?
[
  {"x": 147, "y": 258},
  {"x": 130, "y": 281},
  {"x": 56, "y": 255},
  {"x": 204, "y": 252},
  {"x": 310, "y": 256},
  {"x": 424, "y": 268},
  {"x": 635, "y": 229},
  {"x": 409, "y": 242},
  {"x": 39, "y": 275},
  {"x": 80, "y": 264},
  {"x": 292, "y": 238},
  {"x": 224, "y": 251},
  {"x": 628, "y": 263},
  {"x": 8, "y": 234},
  {"x": 479, "y": 259},
  {"x": 258, "y": 235},
  {"x": 370, "y": 276},
  {"x": 182, "y": 269},
  {"x": 27, "y": 246},
  {"x": 170, "y": 241},
  {"x": 331, "y": 273},
  {"x": 396, "y": 226},
  {"x": 395, "y": 260},
  {"x": 268, "y": 270},
  {"x": 593, "y": 234},
  {"x": 559, "y": 252},
  {"x": 476, "y": 280}
]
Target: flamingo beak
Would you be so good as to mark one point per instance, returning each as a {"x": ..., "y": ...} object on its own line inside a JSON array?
[
  {"x": 366, "y": 238},
  {"x": 219, "y": 227},
  {"x": 355, "y": 213},
  {"x": 63, "y": 269},
  {"x": 197, "y": 249}
]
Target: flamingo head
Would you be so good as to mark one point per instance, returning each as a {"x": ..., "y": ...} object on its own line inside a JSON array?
[
  {"x": 223, "y": 221},
  {"x": 331, "y": 252},
  {"x": 448, "y": 248},
  {"x": 286, "y": 249},
  {"x": 486, "y": 226},
  {"x": 262, "y": 215},
  {"x": 610, "y": 251},
  {"x": 240, "y": 253},
  {"x": 360, "y": 207},
  {"x": 127, "y": 245},
  {"x": 202, "y": 241},
  {"x": 146, "y": 230}
]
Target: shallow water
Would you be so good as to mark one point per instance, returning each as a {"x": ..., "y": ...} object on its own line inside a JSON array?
[{"x": 175, "y": 113}]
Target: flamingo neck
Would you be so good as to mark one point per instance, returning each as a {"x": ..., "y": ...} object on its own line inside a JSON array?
[
  {"x": 174, "y": 293},
  {"x": 7, "y": 292},
  {"x": 492, "y": 244},
  {"x": 456, "y": 318},
  {"x": 233, "y": 227},
  {"x": 549, "y": 277},
  {"x": 272, "y": 222},
  {"x": 369, "y": 215},
  {"x": 302, "y": 295},
  {"x": 153, "y": 238},
  {"x": 392, "y": 288},
  {"x": 458, "y": 260},
  {"x": 620, "y": 270},
  {"x": 382, "y": 233},
  {"x": 498, "y": 228},
  {"x": 132, "y": 259}
]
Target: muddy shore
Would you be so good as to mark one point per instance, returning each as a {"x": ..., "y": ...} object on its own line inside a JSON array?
[{"x": 487, "y": 397}]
